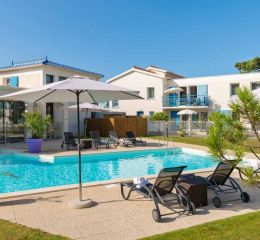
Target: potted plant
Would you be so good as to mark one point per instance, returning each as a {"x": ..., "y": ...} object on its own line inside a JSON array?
[{"x": 36, "y": 124}]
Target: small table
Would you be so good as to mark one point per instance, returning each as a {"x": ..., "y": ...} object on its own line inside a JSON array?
[
  {"x": 86, "y": 143},
  {"x": 196, "y": 189}
]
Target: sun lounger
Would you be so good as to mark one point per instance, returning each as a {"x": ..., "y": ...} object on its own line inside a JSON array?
[
  {"x": 116, "y": 140},
  {"x": 97, "y": 141},
  {"x": 69, "y": 141},
  {"x": 221, "y": 182},
  {"x": 130, "y": 137},
  {"x": 164, "y": 191}
]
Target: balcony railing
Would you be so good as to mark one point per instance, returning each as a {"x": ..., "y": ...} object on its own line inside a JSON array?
[{"x": 189, "y": 100}]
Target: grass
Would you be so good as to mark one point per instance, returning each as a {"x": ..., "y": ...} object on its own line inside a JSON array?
[
  {"x": 13, "y": 231},
  {"x": 201, "y": 141},
  {"x": 243, "y": 227}
]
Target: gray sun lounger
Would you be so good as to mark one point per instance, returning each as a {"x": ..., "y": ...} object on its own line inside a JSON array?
[
  {"x": 130, "y": 137},
  {"x": 97, "y": 141},
  {"x": 221, "y": 182},
  {"x": 164, "y": 191},
  {"x": 69, "y": 141},
  {"x": 116, "y": 140}
]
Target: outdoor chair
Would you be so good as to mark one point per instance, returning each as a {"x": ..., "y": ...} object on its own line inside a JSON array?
[
  {"x": 97, "y": 141},
  {"x": 116, "y": 140},
  {"x": 130, "y": 137},
  {"x": 221, "y": 182},
  {"x": 164, "y": 191},
  {"x": 69, "y": 141}
]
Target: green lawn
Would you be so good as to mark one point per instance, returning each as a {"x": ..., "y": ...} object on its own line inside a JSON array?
[
  {"x": 12, "y": 231},
  {"x": 200, "y": 140},
  {"x": 244, "y": 227}
]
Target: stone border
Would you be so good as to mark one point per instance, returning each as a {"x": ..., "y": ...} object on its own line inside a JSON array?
[{"x": 85, "y": 185}]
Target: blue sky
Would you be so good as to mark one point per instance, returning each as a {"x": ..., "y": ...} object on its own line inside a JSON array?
[{"x": 193, "y": 38}]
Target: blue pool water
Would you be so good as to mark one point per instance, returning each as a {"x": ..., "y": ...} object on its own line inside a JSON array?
[{"x": 24, "y": 172}]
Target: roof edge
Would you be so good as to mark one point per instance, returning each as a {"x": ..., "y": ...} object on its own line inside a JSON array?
[
  {"x": 45, "y": 61},
  {"x": 134, "y": 68}
]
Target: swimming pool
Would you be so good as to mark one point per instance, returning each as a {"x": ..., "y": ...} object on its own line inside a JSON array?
[{"x": 20, "y": 172}]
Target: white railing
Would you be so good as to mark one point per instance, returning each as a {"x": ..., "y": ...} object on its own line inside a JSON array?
[{"x": 173, "y": 127}]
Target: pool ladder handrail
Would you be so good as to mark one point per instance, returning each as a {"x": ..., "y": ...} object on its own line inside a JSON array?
[{"x": 166, "y": 146}]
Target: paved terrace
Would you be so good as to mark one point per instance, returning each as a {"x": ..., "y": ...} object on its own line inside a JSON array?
[{"x": 111, "y": 217}]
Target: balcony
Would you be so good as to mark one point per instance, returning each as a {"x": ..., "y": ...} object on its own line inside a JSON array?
[{"x": 186, "y": 101}]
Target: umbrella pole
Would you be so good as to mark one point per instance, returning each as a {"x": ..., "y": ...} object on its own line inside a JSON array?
[
  {"x": 85, "y": 124},
  {"x": 79, "y": 203},
  {"x": 79, "y": 149}
]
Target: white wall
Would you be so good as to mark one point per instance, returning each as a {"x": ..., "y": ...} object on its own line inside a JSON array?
[
  {"x": 140, "y": 82},
  {"x": 219, "y": 86},
  {"x": 28, "y": 78},
  {"x": 56, "y": 72}
]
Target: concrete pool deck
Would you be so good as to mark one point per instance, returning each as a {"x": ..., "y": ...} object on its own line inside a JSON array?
[
  {"x": 52, "y": 147},
  {"x": 111, "y": 217}
]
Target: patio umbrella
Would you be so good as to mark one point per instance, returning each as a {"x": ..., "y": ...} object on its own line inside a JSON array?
[
  {"x": 187, "y": 112},
  {"x": 74, "y": 89},
  {"x": 88, "y": 107},
  {"x": 173, "y": 90}
]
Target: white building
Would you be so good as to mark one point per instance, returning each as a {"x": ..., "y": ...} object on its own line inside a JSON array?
[
  {"x": 35, "y": 73},
  {"x": 202, "y": 94}
]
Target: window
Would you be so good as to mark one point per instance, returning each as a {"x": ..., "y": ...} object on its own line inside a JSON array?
[
  {"x": 12, "y": 81},
  {"x": 151, "y": 113},
  {"x": 233, "y": 88},
  {"x": 105, "y": 104},
  {"x": 150, "y": 93},
  {"x": 183, "y": 93},
  {"x": 49, "y": 109},
  {"x": 115, "y": 103},
  {"x": 255, "y": 85},
  {"x": 193, "y": 91},
  {"x": 61, "y": 78},
  {"x": 49, "y": 78},
  {"x": 140, "y": 113},
  {"x": 203, "y": 116}
]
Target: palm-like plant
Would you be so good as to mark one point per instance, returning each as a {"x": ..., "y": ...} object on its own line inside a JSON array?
[
  {"x": 36, "y": 123},
  {"x": 228, "y": 132}
]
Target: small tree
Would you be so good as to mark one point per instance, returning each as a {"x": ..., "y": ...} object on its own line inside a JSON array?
[
  {"x": 229, "y": 133},
  {"x": 36, "y": 123},
  {"x": 251, "y": 65},
  {"x": 159, "y": 116}
]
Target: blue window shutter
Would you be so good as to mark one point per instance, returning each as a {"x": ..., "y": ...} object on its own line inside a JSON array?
[
  {"x": 172, "y": 99},
  {"x": 14, "y": 81}
]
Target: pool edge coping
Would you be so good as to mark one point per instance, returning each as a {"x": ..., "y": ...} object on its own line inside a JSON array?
[{"x": 86, "y": 185}]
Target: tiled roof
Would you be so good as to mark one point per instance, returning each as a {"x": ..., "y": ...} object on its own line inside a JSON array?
[{"x": 45, "y": 61}]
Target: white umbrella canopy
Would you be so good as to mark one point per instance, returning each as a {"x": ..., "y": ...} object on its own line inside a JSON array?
[
  {"x": 186, "y": 112},
  {"x": 173, "y": 90},
  {"x": 74, "y": 89},
  {"x": 64, "y": 91},
  {"x": 88, "y": 107}
]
